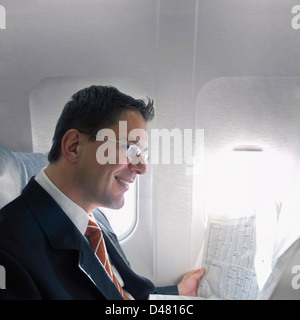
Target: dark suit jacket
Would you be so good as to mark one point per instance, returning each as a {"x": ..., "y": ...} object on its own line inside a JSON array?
[{"x": 46, "y": 257}]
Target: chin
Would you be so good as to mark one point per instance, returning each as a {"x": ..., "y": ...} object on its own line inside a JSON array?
[
  {"x": 115, "y": 205},
  {"x": 120, "y": 205}
]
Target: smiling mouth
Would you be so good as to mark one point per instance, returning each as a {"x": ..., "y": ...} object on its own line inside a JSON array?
[{"x": 124, "y": 183}]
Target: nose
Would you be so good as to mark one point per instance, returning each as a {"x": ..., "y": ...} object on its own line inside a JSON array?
[{"x": 138, "y": 168}]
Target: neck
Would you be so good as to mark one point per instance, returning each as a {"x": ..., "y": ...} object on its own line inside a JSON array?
[{"x": 63, "y": 179}]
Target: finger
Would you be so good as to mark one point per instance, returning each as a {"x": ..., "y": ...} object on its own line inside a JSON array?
[{"x": 199, "y": 273}]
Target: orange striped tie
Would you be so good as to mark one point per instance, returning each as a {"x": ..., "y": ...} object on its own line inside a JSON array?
[{"x": 95, "y": 235}]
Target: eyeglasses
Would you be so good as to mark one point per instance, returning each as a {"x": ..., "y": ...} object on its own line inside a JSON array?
[{"x": 133, "y": 151}]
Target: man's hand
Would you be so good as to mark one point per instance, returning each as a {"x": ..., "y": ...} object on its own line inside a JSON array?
[{"x": 189, "y": 283}]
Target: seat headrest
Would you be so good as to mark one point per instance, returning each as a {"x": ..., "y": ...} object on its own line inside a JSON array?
[
  {"x": 16, "y": 169},
  {"x": 10, "y": 176}
]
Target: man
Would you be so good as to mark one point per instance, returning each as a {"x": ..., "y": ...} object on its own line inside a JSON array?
[{"x": 45, "y": 246}]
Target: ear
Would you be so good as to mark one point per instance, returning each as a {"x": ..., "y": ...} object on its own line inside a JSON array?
[{"x": 69, "y": 145}]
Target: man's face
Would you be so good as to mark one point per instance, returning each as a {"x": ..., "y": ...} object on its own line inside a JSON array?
[{"x": 104, "y": 185}]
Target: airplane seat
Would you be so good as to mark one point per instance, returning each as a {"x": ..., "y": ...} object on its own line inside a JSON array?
[{"x": 16, "y": 169}]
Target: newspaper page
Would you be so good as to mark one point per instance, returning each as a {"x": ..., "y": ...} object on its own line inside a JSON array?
[{"x": 228, "y": 258}]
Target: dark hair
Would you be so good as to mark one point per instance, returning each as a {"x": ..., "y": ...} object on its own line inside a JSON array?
[{"x": 94, "y": 108}]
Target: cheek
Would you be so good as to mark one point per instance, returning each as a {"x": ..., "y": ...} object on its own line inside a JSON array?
[{"x": 103, "y": 175}]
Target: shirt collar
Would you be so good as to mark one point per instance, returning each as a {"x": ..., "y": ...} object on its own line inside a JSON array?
[{"x": 75, "y": 213}]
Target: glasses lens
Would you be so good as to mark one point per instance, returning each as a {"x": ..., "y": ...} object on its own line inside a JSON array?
[{"x": 134, "y": 152}]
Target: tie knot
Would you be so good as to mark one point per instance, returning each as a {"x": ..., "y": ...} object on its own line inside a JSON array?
[{"x": 92, "y": 227}]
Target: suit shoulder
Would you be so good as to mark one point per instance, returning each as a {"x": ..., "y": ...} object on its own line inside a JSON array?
[
  {"x": 15, "y": 218},
  {"x": 13, "y": 209},
  {"x": 19, "y": 209}
]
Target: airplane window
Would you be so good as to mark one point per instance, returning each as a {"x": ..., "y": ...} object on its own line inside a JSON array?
[{"x": 254, "y": 157}]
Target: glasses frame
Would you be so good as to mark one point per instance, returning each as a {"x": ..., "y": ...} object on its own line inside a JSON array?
[{"x": 130, "y": 147}]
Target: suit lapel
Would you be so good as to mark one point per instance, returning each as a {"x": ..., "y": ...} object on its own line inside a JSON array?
[
  {"x": 136, "y": 285},
  {"x": 63, "y": 235},
  {"x": 94, "y": 270}
]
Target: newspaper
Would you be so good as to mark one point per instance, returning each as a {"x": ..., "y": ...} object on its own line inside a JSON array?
[
  {"x": 246, "y": 257},
  {"x": 229, "y": 260},
  {"x": 228, "y": 257}
]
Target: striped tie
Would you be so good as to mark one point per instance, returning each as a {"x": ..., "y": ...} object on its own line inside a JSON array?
[{"x": 96, "y": 237}]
